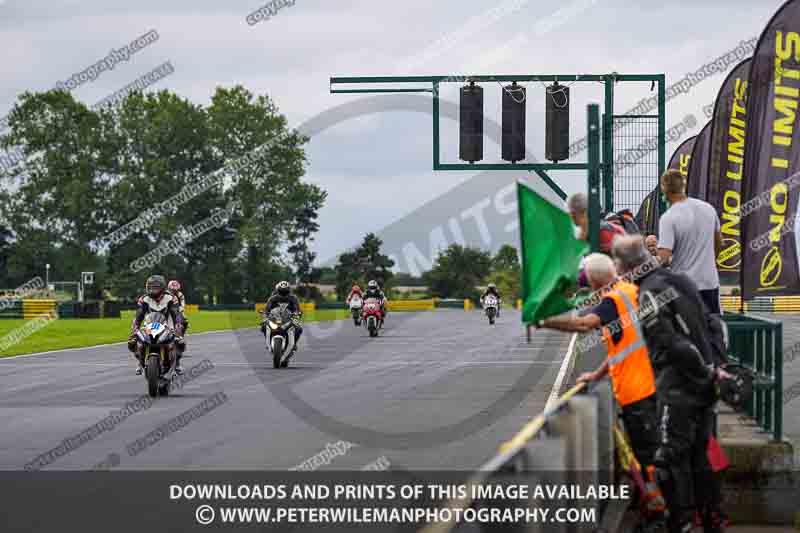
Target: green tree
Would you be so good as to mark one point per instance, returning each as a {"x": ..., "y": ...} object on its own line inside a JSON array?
[
  {"x": 506, "y": 273},
  {"x": 457, "y": 272},
  {"x": 506, "y": 259},
  {"x": 5, "y": 253},
  {"x": 363, "y": 264},
  {"x": 96, "y": 171}
]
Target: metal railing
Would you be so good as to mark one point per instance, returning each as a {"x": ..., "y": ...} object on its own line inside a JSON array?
[
  {"x": 516, "y": 453},
  {"x": 757, "y": 343}
]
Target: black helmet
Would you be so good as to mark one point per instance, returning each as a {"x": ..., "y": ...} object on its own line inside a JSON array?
[
  {"x": 155, "y": 286},
  {"x": 372, "y": 284},
  {"x": 283, "y": 288},
  {"x": 737, "y": 390}
]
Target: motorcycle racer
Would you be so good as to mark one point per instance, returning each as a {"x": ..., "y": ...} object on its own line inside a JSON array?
[
  {"x": 174, "y": 288},
  {"x": 355, "y": 291},
  {"x": 492, "y": 289},
  {"x": 283, "y": 295},
  {"x": 158, "y": 299},
  {"x": 374, "y": 291}
]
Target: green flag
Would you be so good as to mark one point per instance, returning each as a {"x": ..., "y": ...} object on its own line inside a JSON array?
[{"x": 551, "y": 255}]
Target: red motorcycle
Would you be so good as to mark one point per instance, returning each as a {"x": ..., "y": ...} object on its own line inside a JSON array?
[{"x": 372, "y": 316}]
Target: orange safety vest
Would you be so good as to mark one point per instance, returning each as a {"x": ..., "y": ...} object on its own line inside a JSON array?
[{"x": 628, "y": 361}]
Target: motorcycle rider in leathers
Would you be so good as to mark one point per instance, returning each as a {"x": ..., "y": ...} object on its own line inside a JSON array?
[
  {"x": 157, "y": 299},
  {"x": 283, "y": 295},
  {"x": 492, "y": 289},
  {"x": 374, "y": 291}
]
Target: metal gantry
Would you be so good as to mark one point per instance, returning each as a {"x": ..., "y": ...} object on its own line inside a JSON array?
[{"x": 600, "y": 138}]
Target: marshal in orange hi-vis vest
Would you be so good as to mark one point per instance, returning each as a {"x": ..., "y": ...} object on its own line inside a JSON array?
[{"x": 628, "y": 360}]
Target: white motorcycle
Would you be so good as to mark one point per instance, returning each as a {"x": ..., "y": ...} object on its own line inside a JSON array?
[
  {"x": 490, "y": 306},
  {"x": 280, "y": 337},
  {"x": 157, "y": 342},
  {"x": 356, "y": 304}
]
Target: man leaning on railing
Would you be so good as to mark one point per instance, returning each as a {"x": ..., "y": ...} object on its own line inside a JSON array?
[
  {"x": 675, "y": 327},
  {"x": 627, "y": 364}
]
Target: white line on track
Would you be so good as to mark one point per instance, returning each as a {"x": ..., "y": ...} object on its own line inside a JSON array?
[
  {"x": 565, "y": 364},
  {"x": 122, "y": 343}
]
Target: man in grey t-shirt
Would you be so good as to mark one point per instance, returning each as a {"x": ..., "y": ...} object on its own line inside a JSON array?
[{"x": 689, "y": 238}]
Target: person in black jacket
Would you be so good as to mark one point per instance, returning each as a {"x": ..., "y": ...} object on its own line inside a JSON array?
[
  {"x": 675, "y": 326},
  {"x": 283, "y": 295}
]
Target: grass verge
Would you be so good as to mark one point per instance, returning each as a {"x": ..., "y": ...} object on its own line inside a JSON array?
[{"x": 81, "y": 333}]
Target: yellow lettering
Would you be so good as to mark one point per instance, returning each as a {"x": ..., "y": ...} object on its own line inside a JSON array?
[
  {"x": 736, "y": 146},
  {"x": 729, "y": 224},
  {"x": 778, "y": 162},
  {"x": 778, "y": 198},
  {"x": 740, "y": 89},
  {"x": 737, "y": 110},
  {"x": 781, "y": 140},
  {"x": 785, "y": 107},
  {"x": 787, "y": 91},
  {"x": 731, "y": 205},
  {"x": 784, "y": 49},
  {"x": 788, "y": 50},
  {"x": 685, "y": 158}
]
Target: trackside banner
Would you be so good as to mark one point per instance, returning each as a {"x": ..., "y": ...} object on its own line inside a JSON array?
[
  {"x": 649, "y": 211},
  {"x": 726, "y": 163},
  {"x": 697, "y": 180},
  {"x": 771, "y": 158}
]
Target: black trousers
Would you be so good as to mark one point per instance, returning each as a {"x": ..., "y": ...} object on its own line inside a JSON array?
[
  {"x": 711, "y": 299},
  {"x": 683, "y": 453},
  {"x": 641, "y": 422}
]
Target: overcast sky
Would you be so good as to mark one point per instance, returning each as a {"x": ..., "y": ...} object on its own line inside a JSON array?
[{"x": 377, "y": 167}]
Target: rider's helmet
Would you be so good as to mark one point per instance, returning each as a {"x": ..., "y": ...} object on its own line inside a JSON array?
[
  {"x": 155, "y": 286},
  {"x": 174, "y": 285},
  {"x": 492, "y": 287},
  {"x": 356, "y": 288},
  {"x": 372, "y": 285},
  {"x": 283, "y": 288}
]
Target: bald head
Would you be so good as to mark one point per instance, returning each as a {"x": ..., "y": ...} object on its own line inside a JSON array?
[
  {"x": 651, "y": 242},
  {"x": 600, "y": 270},
  {"x": 630, "y": 253}
]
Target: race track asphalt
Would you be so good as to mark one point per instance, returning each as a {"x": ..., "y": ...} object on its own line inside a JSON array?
[{"x": 437, "y": 390}]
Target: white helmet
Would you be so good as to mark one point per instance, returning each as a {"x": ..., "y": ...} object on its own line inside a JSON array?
[
  {"x": 372, "y": 284},
  {"x": 282, "y": 288}
]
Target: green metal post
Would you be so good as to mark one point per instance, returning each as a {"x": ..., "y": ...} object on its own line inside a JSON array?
[
  {"x": 593, "y": 111},
  {"x": 777, "y": 390},
  {"x": 435, "y": 125},
  {"x": 662, "y": 137},
  {"x": 608, "y": 144}
]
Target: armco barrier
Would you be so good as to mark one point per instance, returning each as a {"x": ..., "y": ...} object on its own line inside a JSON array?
[
  {"x": 571, "y": 440},
  {"x": 411, "y": 305},
  {"x": 13, "y": 311},
  {"x": 332, "y": 305},
  {"x": 33, "y": 308},
  {"x": 762, "y": 304},
  {"x": 305, "y": 307},
  {"x": 449, "y": 303},
  {"x": 226, "y": 307}
]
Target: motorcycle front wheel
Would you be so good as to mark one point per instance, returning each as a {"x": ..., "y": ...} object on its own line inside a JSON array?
[
  {"x": 277, "y": 353},
  {"x": 152, "y": 373}
]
